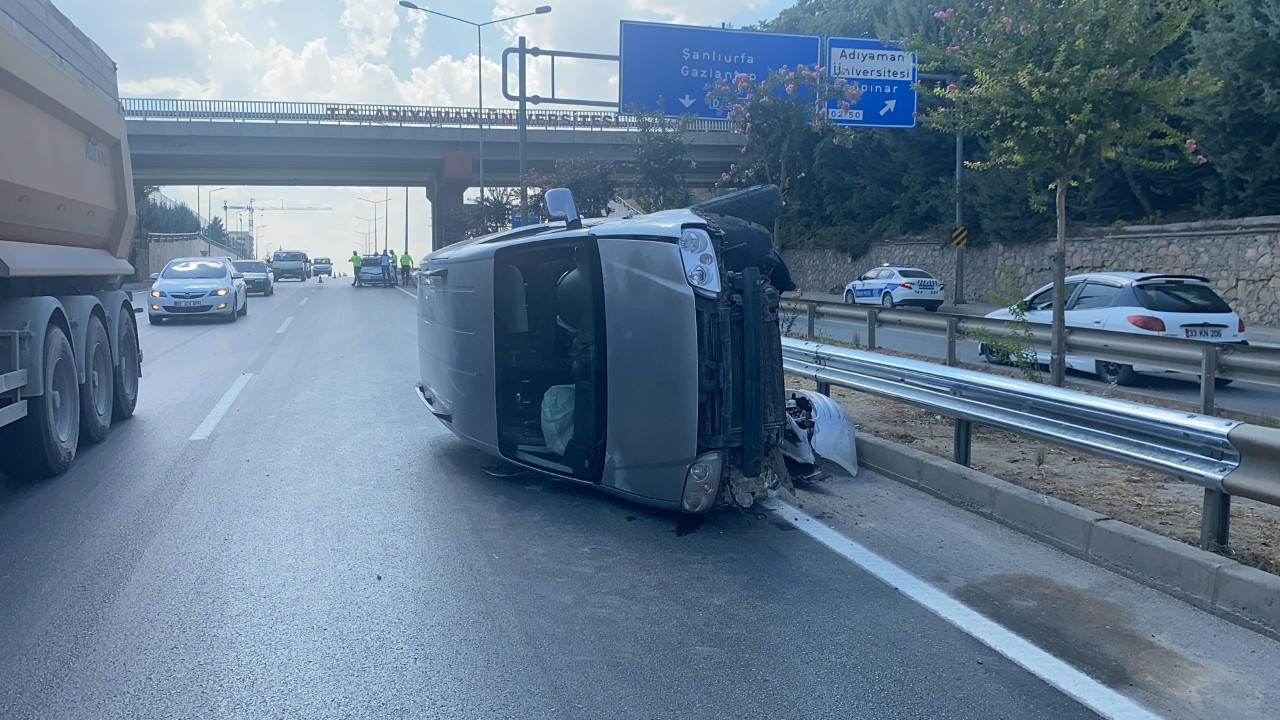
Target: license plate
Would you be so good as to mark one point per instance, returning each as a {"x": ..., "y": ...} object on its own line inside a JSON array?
[
  {"x": 186, "y": 303},
  {"x": 1203, "y": 333}
]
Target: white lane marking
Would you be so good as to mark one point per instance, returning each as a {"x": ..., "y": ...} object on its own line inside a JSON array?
[
  {"x": 284, "y": 325},
  {"x": 215, "y": 415},
  {"x": 304, "y": 301},
  {"x": 1092, "y": 694},
  {"x": 406, "y": 292}
]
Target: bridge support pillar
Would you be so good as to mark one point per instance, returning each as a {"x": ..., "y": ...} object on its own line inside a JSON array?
[{"x": 446, "y": 212}]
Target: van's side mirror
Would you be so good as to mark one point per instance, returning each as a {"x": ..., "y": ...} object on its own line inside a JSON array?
[
  {"x": 155, "y": 276},
  {"x": 560, "y": 206}
]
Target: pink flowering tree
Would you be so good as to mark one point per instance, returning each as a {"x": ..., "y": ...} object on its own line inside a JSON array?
[
  {"x": 780, "y": 118},
  {"x": 1059, "y": 87}
]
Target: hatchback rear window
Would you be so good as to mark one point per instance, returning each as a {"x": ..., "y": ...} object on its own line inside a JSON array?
[
  {"x": 915, "y": 274},
  {"x": 1180, "y": 297}
]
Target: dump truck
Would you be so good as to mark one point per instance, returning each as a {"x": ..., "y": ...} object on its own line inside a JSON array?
[{"x": 70, "y": 361}]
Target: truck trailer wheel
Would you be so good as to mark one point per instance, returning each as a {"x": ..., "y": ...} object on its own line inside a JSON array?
[
  {"x": 43, "y": 443},
  {"x": 127, "y": 372},
  {"x": 97, "y": 390}
]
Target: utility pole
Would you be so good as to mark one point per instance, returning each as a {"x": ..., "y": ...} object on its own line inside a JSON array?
[
  {"x": 522, "y": 124},
  {"x": 406, "y": 220}
]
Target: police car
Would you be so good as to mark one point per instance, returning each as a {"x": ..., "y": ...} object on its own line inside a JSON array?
[{"x": 893, "y": 285}]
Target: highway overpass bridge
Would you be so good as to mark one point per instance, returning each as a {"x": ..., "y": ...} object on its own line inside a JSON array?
[{"x": 209, "y": 142}]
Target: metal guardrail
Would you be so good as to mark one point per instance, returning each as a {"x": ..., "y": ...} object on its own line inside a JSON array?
[
  {"x": 1226, "y": 457},
  {"x": 1208, "y": 360},
  {"x": 365, "y": 114}
]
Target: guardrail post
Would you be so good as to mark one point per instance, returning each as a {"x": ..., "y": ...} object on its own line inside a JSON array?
[
  {"x": 811, "y": 318},
  {"x": 1215, "y": 520},
  {"x": 871, "y": 328},
  {"x": 1208, "y": 377},
  {"x": 953, "y": 325},
  {"x": 963, "y": 441}
]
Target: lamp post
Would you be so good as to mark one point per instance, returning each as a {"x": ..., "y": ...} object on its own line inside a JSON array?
[
  {"x": 540, "y": 10},
  {"x": 367, "y": 233},
  {"x": 375, "y": 204},
  {"x": 209, "y": 217}
]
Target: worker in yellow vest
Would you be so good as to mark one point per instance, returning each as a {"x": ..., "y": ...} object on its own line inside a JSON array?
[
  {"x": 406, "y": 266},
  {"x": 356, "y": 262}
]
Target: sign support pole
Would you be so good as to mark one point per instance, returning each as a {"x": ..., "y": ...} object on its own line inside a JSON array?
[
  {"x": 522, "y": 123},
  {"x": 959, "y": 290}
]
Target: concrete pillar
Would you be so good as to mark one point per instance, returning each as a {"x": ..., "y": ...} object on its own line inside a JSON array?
[{"x": 446, "y": 211}]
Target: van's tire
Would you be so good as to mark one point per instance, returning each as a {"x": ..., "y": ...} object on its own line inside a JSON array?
[
  {"x": 98, "y": 389},
  {"x": 128, "y": 370},
  {"x": 43, "y": 443},
  {"x": 1115, "y": 373},
  {"x": 760, "y": 204}
]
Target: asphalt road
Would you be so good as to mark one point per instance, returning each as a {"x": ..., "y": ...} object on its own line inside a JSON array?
[
  {"x": 324, "y": 548},
  {"x": 1251, "y": 398}
]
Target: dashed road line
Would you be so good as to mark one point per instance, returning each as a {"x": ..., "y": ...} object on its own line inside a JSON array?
[
  {"x": 205, "y": 429},
  {"x": 284, "y": 325},
  {"x": 303, "y": 301}
]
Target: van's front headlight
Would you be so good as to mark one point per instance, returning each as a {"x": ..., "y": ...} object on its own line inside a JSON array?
[
  {"x": 701, "y": 483},
  {"x": 701, "y": 268}
]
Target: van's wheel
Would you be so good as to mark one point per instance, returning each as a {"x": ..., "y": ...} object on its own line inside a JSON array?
[
  {"x": 1115, "y": 373},
  {"x": 128, "y": 370},
  {"x": 848, "y": 296},
  {"x": 43, "y": 443},
  {"x": 886, "y": 302},
  {"x": 98, "y": 388}
]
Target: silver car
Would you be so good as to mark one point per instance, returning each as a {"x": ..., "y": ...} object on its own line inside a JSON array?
[
  {"x": 197, "y": 287},
  {"x": 641, "y": 356}
]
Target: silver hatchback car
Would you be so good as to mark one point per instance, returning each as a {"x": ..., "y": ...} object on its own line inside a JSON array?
[{"x": 641, "y": 356}]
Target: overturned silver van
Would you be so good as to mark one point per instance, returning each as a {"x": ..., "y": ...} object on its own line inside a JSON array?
[{"x": 641, "y": 356}]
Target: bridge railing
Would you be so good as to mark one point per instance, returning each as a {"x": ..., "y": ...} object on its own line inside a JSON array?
[{"x": 365, "y": 114}]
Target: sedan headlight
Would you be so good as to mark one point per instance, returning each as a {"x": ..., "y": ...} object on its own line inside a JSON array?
[
  {"x": 221, "y": 292},
  {"x": 157, "y": 293},
  {"x": 701, "y": 268}
]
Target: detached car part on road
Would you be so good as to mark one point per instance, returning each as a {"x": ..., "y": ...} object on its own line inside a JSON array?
[{"x": 641, "y": 356}]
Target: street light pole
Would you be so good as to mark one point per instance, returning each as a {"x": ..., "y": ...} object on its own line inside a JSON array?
[
  {"x": 210, "y": 215},
  {"x": 540, "y": 10},
  {"x": 375, "y": 204}
]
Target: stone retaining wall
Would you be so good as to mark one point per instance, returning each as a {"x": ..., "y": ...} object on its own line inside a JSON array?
[{"x": 1240, "y": 257}]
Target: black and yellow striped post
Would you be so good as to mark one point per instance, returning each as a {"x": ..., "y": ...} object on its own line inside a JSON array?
[{"x": 960, "y": 237}]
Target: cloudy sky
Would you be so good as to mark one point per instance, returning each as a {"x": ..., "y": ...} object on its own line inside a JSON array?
[{"x": 357, "y": 51}]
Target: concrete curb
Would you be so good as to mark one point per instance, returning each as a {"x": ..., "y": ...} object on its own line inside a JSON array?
[{"x": 1243, "y": 595}]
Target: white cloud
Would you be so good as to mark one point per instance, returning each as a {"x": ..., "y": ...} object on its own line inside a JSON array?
[
  {"x": 414, "y": 42},
  {"x": 370, "y": 25}
]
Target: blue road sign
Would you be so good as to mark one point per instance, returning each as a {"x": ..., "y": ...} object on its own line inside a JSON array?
[
  {"x": 885, "y": 74},
  {"x": 678, "y": 63}
]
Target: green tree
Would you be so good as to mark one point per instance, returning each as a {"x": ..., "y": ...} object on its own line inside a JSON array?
[
  {"x": 490, "y": 216},
  {"x": 1060, "y": 87},
  {"x": 660, "y": 162},
  {"x": 591, "y": 180},
  {"x": 776, "y": 117},
  {"x": 217, "y": 233},
  {"x": 1240, "y": 44}
]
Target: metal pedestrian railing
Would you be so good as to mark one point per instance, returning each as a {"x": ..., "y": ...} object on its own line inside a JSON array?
[
  {"x": 369, "y": 114},
  {"x": 1208, "y": 360},
  {"x": 1225, "y": 457}
]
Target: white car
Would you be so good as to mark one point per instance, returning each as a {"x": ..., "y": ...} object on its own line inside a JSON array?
[
  {"x": 894, "y": 285},
  {"x": 1181, "y": 306},
  {"x": 197, "y": 287}
]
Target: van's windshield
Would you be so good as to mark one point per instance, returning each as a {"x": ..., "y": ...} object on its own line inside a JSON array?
[
  {"x": 549, "y": 337},
  {"x": 287, "y": 257}
]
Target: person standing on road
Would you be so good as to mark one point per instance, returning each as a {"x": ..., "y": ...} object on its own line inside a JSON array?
[
  {"x": 394, "y": 275},
  {"x": 385, "y": 261},
  {"x": 406, "y": 266},
  {"x": 356, "y": 262}
]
